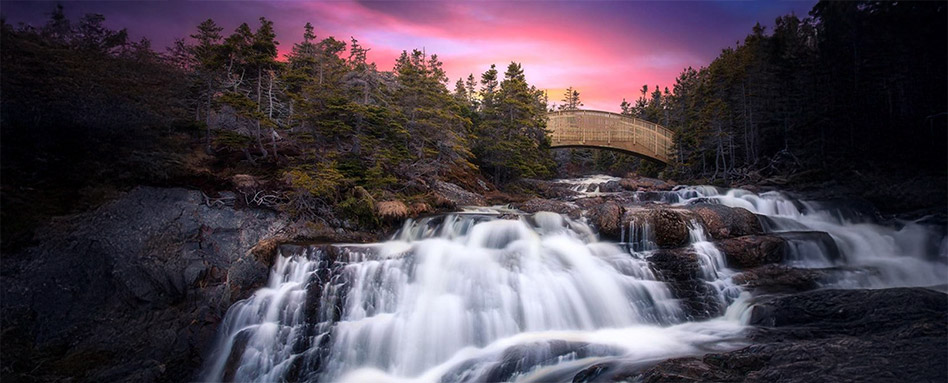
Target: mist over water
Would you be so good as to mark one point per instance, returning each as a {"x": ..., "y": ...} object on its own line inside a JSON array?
[{"x": 474, "y": 297}]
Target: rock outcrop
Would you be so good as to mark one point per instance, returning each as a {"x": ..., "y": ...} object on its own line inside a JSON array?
[
  {"x": 132, "y": 291},
  {"x": 726, "y": 222},
  {"x": 645, "y": 184},
  {"x": 780, "y": 279},
  {"x": 670, "y": 226},
  {"x": 752, "y": 250},
  {"x": 453, "y": 196},
  {"x": 890, "y": 335}
]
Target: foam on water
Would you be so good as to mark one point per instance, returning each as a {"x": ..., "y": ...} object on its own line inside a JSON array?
[
  {"x": 491, "y": 294},
  {"x": 451, "y": 298}
]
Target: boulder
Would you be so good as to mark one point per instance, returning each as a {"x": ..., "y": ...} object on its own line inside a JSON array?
[
  {"x": 752, "y": 250},
  {"x": 536, "y": 205},
  {"x": 610, "y": 187},
  {"x": 669, "y": 226},
  {"x": 607, "y": 217},
  {"x": 726, "y": 222}
]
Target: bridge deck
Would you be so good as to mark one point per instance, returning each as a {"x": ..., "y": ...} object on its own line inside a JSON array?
[{"x": 593, "y": 128}]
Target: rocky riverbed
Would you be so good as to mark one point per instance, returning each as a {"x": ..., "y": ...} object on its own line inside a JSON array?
[{"x": 137, "y": 289}]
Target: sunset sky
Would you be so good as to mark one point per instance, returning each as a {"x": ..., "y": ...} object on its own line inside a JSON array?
[{"x": 607, "y": 50}]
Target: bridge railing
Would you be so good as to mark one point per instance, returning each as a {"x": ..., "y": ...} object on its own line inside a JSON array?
[{"x": 610, "y": 130}]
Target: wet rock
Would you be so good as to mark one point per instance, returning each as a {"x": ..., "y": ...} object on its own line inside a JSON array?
[
  {"x": 610, "y": 187},
  {"x": 725, "y": 222},
  {"x": 889, "y": 335},
  {"x": 607, "y": 217},
  {"x": 752, "y": 250},
  {"x": 456, "y": 195},
  {"x": 670, "y": 226},
  {"x": 136, "y": 286},
  {"x": 519, "y": 359},
  {"x": 810, "y": 246},
  {"x": 780, "y": 279},
  {"x": 536, "y": 205},
  {"x": 681, "y": 269},
  {"x": 645, "y": 184},
  {"x": 543, "y": 188}
]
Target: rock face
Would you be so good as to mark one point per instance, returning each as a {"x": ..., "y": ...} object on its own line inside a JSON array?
[
  {"x": 680, "y": 268},
  {"x": 752, "y": 250},
  {"x": 726, "y": 222},
  {"x": 131, "y": 291},
  {"x": 456, "y": 195},
  {"x": 891, "y": 335}
]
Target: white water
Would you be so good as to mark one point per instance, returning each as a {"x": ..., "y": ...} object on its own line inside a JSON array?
[
  {"x": 872, "y": 255},
  {"x": 452, "y": 297},
  {"x": 471, "y": 297},
  {"x": 590, "y": 186}
]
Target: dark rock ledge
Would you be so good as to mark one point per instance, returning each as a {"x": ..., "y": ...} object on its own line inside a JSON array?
[
  {"x": 131, "y": 291},
  {"x": 891, "y": 335}
]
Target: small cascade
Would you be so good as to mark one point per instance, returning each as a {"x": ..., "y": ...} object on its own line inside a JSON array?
[
  {"x": 640, "y": 236},
  {"x": 713, "y": 265},
  {"x": 591, "y": 186},
  {"x": 260, "y": 337},
  {"x": 905, "y": 254}
]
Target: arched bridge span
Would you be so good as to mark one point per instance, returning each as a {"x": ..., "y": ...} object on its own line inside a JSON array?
[{"x": 613, "y": 131}]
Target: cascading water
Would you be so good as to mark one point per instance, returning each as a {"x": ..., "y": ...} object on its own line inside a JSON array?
[
  {"x": 871, "y": 255},
  {"x": 478, "y": 296},
  {"x": 591, "y": 186},
  {"x": 459, "y": 298}
]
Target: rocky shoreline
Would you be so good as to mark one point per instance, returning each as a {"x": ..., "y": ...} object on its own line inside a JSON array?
[{"x": 135, "y": 289}]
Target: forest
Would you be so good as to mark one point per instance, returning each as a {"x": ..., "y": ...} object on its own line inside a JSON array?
[
  {"x": 319, "y": 132},
  {"x": 322, "y": 132},
  {"x": 855, "y": 84}
]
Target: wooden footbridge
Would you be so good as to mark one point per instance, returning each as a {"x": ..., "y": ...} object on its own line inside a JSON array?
[{"x": 612, "y": 131}]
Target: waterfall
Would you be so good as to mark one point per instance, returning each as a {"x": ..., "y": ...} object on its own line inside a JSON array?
[
  {"x": 492, "y": 294},
  {"x": 454, "y": 298}
]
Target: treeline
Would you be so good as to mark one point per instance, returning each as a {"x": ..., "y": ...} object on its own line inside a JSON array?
[
  {"x": 322, "y": 127},
  {"x": 855, "y": 84}
]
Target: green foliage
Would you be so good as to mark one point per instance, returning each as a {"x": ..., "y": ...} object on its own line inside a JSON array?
[
  {"x": 322, "y": 181},
  {"x": 359, "y": 207},
  {"x": 510, "y": 137}
]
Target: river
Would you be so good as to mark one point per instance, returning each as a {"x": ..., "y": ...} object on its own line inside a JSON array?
[{"x": 495, "y": 294}]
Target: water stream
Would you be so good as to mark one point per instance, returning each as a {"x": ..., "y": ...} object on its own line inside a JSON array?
[{"x": 472, "y": 297}]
